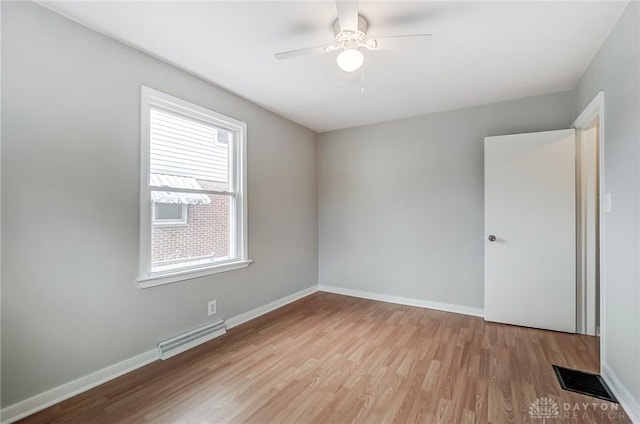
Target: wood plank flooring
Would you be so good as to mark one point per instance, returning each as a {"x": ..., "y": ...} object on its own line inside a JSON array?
[{"x": 338, "y": 359}]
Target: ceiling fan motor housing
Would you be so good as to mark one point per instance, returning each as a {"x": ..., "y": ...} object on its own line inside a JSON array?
[{"x": 349, "y": 36}]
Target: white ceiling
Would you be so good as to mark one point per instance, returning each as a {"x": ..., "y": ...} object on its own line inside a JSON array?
[{"x": 482, "y": 52}]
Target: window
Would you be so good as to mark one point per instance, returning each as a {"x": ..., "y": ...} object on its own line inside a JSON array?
[
  {"x": 193, "y": 179},
  {"x": 169, "y": 214}
]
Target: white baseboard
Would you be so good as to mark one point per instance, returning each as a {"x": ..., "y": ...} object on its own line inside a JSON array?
[
  {"x": 58, "y": 394},
  {"x": 41, "y": 401},
  {"x": 255, "y": 313},
  {"x": 628, "y": 403},
  {"x": 446, "y": 307}
]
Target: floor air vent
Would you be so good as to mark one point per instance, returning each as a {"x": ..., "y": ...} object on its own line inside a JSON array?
[
  {"x": 584, "y": 383},
  {"x": 178, "y": 344}
]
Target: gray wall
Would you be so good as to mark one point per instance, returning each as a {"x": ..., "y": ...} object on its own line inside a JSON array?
[
  {"x": 616, "y": 71},
  {"x": 401, "y": 203},
  {"x": 70, "y": 170}
]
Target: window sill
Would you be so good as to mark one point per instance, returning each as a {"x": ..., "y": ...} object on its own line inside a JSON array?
[
  {"x": 173, "y": 277},
  {"x": 170, "y": 224}
]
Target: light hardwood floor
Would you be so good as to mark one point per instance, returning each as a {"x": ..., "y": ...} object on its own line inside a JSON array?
[{"x": 338, "y": 359}]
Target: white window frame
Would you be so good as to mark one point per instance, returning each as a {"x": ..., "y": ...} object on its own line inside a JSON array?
[{"x": 156, "y": 99}]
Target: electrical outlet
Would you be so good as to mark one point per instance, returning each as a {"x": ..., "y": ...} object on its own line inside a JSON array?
[{"x": 211, "y": 307}]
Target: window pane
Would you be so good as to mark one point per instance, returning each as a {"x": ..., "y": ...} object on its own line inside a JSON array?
[
  {"x": 205, "y": 239},
  {"x": 186, "y": 153},
  {"x": 172, "y": 211}
]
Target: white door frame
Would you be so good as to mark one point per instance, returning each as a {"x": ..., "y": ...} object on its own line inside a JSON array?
[{"x": 595, "y": 110}]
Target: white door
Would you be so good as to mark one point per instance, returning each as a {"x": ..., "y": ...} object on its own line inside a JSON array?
[{"x": 530, "y": 230}]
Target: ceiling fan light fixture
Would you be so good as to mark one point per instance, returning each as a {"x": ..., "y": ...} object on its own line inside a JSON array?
[{"x": 350, "y": 60}]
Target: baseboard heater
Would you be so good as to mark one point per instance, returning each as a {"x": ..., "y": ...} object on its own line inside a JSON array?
[{"x": 185, "y": 341}]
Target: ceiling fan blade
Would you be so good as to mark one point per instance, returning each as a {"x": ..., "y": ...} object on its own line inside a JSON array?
[
  {"x": 347, "y": 15},
  {"x": 399, "y": 42},
  {"x": 304, "y": 52}
]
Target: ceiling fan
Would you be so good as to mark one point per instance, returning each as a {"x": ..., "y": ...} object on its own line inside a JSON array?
[{"x": 350, "y": 31}]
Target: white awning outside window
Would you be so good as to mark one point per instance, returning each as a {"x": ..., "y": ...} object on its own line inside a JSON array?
[{"x": 172, "y": 181}]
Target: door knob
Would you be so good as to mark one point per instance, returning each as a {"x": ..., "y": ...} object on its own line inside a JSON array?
[{"x": 492, "y": 237}]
